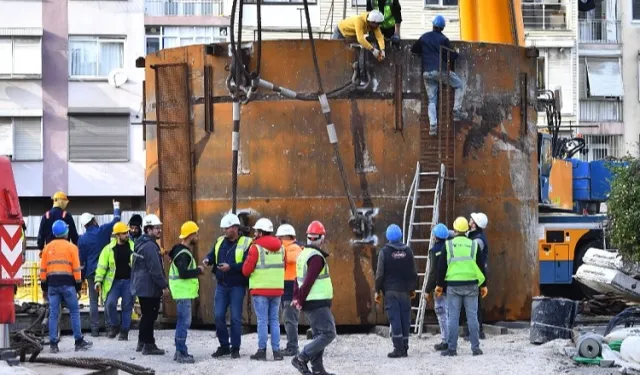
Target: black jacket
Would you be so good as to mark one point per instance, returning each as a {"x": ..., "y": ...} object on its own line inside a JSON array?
[
  {"x": 182, "y": 263},
  {"x": 396, "y": 269},
  {"x": 434, "y": 258},
  {"x": 395, "y": 9}
]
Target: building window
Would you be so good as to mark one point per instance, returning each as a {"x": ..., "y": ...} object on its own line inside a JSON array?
[
  {"x": 21, "y": 138},
  {"x": 603, "y": 77},
  {"x": 444, "y": 3},
  {"x": 99, "y": 137},
  {"x": 359, "y": 3},
  {"x": 20, "y": 57},
  {"x": 280, "y": 2},
  {"x": 602, "y": 146},
  {"x": 635, "y": 10},
  {"x": 544, "y": 15},
  {"x": 91, "y": 56},
  {"x": 160, "y": 37},
  {"x": 183, "y": 8}
]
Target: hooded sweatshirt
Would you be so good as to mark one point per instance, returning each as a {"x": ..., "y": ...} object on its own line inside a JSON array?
[
  {"x": 182, "y": 262},
  {"x": 270, "y": 243}
]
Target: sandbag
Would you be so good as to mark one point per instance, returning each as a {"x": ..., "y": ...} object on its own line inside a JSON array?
[{"x": 630, "y": 349}]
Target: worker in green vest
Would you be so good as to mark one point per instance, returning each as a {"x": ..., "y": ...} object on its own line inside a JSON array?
[
  {"x": 392, "y": 13},
  {"x": 184, "y": 286},
  {"x": 461, "y": 272},
  {"x": 313, "y": 293}
]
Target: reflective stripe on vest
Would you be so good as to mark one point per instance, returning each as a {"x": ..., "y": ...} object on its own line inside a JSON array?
[
  {"x": 389, "y": 20},
  {"x": 461, "y": 260},
  {"x": 322, "y": 287},
  {"x": 48, "y": 214},
  {"x": 269, "y": 271},
  {"x": 241, "y": 247},
  {"x": 183, "y": 288},
  {"x": 106, "y": 269}
]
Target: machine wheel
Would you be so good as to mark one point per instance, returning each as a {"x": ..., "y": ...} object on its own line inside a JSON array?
[{"x": 581, "y": 291}]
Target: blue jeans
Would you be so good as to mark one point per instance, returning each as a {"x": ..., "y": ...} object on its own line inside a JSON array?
[
  {"x": 432, "y": 83},
  {"x": 267, "y": 315},
  {"x": 457, "y": 296},
  {"x": 120, "y": 289},
  {"x": 398, "y": 308},
  {"x": 229, "y": 298},
  {"x": 183, "y": 323},
  {"x": 68, "y": 294},
  {"x": 441, "y": 313}
]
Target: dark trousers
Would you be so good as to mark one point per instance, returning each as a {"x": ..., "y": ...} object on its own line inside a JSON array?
[
  {"x": 398, "y": 308},
  {"x": 150, "y": 307}
]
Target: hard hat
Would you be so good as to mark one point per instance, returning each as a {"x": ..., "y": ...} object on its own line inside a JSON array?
[
  {"x": 286, "y": 230},
  {"x": 59, "y": 228},
  {"x": 188, "y": 228},
  {"x": 394, "y": 233},
  {"x": 120, "y": 228},
  {"x": 86, "y": 218},
  {"x": 480, "y": 219},
  {"x": 441, "y": 231},
  {"x": 375, "y": 16},
  {"x": 264, "y": 225},
  {"x": 461, "y": 224},
  {"x": 438, "y": 21},
  {"x": 135, "y": 220},
  {"x": 229, "y": 220},
  {"x": 151, "y": 220},
  {"x": 60, "y": 195},
  {"x": 316, "y": 227}
]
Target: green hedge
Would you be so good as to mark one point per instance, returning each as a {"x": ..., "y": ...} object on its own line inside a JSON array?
[{"x": 623, "y": 208}]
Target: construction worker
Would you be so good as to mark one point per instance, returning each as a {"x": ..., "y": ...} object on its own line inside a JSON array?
[
  {"x": 290, "y": 315},
  {"x": 313, "y": 293},
  {"x": 113, "y": 280},
  {"x": 227, "y": 256},
  {"x": 265, "y": 269},
  {"x": 461, "y": 272},
  {"x": 61, "y": 280},
  {"x": 357, "y": 27},
  {"x": 391, "y": 11},
  {"x": 396, "y": 278},
  {"x": 135, "y": 224},
  {"x": 57, "y": 212},
  {"x": 91, "y": 244},
  {"x": 429, "y": 47},
  {"x": 441, "y": 233},
  {"x": 148, "y": 282},
  {"x": 184, "y": 286}
]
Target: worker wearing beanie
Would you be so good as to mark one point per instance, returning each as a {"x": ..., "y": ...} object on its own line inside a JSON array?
[
  {"x": 396, "y": 278},
  {"x": 441, "y": 234},
  {"x": 477, "y": 223},
  {"x": 135, "y": 227}
]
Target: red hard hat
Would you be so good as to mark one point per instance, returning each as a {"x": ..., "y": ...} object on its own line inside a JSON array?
[{"x": 316, "y": 227}]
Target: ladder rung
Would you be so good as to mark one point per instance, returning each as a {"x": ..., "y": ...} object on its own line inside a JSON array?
[
  {"x": 420, "y": 240},
  {"x": 426, "y": 190},
  {"x": 429, "y": 206},
  {"x": 422, "y": 223},
  {"x": 418, "y": 291},
  {"x": 415, "y": 308},
  {"x": 429, "y": 173},
  {"x": 421, "y": 274},
  {"x": 421, "y": 256}
]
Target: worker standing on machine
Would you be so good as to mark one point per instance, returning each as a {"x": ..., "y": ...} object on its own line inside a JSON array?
[
  {"x": 227, "y": 256},
  {"x": 461, "y": 272},
  {"x": 396, "y": 278},
  {"x": 358, "y": 27},
  {"x": 477, "y": 223},
  {"x": 290, "y": 315},
  {"x": 313, "y": 293},
  {"x": 57, "y": 212},
  {"x": 392, "y": 13},
  {"x": 135, "y": 224},
  {"x": 429, "y": 47},
  {"x": 441, "y": 233}
]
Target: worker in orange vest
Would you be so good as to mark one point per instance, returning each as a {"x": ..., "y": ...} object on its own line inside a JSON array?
[{"x": 290, "y": 315}]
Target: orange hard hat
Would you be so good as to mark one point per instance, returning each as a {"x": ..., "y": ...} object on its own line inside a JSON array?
[{"x": 316, "y": 227}]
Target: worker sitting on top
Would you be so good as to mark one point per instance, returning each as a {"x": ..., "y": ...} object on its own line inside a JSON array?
[
  {"x": 358, "y": 27},
  {"x": 429, "y": 47},
  {"x": 57, "y": 212}
]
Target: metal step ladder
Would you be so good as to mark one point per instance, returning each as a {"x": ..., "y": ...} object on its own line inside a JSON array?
[{"x": 418, "y": 195}]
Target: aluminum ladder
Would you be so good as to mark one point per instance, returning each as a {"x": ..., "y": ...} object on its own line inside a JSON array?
[{"x": 416, "y": 192}]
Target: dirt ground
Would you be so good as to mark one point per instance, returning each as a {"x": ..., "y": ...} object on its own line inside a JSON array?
[{"x": 352, "y": 354}]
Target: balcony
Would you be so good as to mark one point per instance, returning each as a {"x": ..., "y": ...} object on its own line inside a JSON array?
[
  {"x": 600, "y": 110},
  {"x": 183, "y": 7},
  {"x": 550, "y": 15},
  {"x": 600, "y": 31}
]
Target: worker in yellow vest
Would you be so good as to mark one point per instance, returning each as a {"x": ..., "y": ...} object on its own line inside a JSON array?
[
  {"x": 184, "y": 286},
  {"x": 265, "y": 269},
  {"x": 313, "y": 293}
]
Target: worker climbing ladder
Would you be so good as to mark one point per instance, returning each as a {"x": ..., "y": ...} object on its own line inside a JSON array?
[{"x": 418, "y": 232}]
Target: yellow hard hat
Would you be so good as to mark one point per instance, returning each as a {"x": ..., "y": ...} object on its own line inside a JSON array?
[
  {"x": 60, "y": 195},
  {"x": 461, "y": 224},
  {"x": 120, "y": 227},
  {"x": 188, "y": 229}
]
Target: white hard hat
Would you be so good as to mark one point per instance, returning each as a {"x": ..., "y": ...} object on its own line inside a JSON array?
[
  {"x": 375, "y": 16},
  {"x": 480, "y": 219},
  {"x": 264, "y": 225},
  {"x": 286, "y": 230},
  {"x": 86, "y": 218},
  {"x": 150, "y": 220},
  {"x": 229, "y": 220}
]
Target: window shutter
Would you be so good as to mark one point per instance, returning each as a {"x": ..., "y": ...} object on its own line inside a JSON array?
[
  {"x": 6, "y": 137},
  {"x": 6, "y": 51},
  {"x": 99, "y": 138},
  {"x": 28, "y": 138},
  {"x": 27, "y": 56}
]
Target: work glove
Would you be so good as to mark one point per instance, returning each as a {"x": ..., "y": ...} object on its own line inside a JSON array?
[
  {"x": 382, "y": 55},
  {"x": 376, "y": 53},
  {"x": 484, "y": 291},
  {"x": 378, "y": 297},
  {"x": 97, "y": 287},
  {"x": 438, "y": 291},
  {"x": 428, "y": 297},
  {"x": 412, "y": 294},
  {"x": 116, "y": 205}
]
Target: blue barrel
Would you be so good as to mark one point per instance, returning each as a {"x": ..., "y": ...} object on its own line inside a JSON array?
[
  {"x": 551, "y": 319},
  {"x": 600, "y": 180}
]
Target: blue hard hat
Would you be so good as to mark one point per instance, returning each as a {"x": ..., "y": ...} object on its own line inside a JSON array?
[
  {"x": 60, "y": 228},
  {"x": 394, "y": 233},
  {"x": 441, "y": 231},
  {"x": 438, "y": 21}
]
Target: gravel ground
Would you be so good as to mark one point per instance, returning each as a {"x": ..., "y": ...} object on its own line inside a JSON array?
[{"x": 352, "y": 354}]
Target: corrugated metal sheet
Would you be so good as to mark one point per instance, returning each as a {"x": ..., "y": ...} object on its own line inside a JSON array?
[{"x": 33, "y": 222}]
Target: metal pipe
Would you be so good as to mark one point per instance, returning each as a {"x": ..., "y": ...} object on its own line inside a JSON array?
[
  {"x": 4, "y": 336},
  {"x": 235, "y": 147}
]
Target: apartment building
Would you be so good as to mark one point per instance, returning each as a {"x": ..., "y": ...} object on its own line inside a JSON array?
[
  {"x": 70, "y": 102},
  {"x": 630, "y": 20}
]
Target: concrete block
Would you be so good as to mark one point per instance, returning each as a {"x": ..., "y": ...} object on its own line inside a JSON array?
[{"x": 7, "y": 354}]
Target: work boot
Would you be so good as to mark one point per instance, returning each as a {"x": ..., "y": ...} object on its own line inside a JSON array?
[
  {"x": 261, "y": 355},
  {"x": 396, "y": 353},
  {"x": 95, "y": 332},
  {"x": 289, "y": 352},
  {"x": 152, "y": 349},
  {"x": 139, "y": 346},
  {"x": 124, "y": 335},
  {"x": 181, "y": 357},
  {"x": 459, "y": 115},
  {"x": 300, "y": 365},
  {"x": 113, "y": 332},
  {"x": 222, "y": 351},
  {"x": 442, "y": 346},
  {"x": 476, "y": 352},
  {"x": 319, "y": 370},
  {"x": 448, "y": 353},
  {"x": 277, "y": 355},
  {"x": 482, "y": 335},
  {"x": 53, "y": 347},
  {"x": 235, "y": 353},
  {"x": 83, "y": 345}
]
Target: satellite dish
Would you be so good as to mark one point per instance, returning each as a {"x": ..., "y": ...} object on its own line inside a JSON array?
[{"x": 117, "y": 77}]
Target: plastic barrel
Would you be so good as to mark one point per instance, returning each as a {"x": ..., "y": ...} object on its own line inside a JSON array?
[{"x": 551, "y": 319}]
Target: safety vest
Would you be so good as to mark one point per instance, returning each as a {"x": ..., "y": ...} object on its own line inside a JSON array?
[
  {"x": 106, "y": 270},
  {"x": 183, "y": 288},
  {"x": 242, "y": 246},
  {"x": 389, "y": 20},
  {"x": 269, "y": 271},
  {"x": 322, "y": 287},
  {"x": 461, "y": 260}
]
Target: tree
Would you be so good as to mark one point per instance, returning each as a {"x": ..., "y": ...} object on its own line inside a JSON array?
[{"x": 623, "y": 208}]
